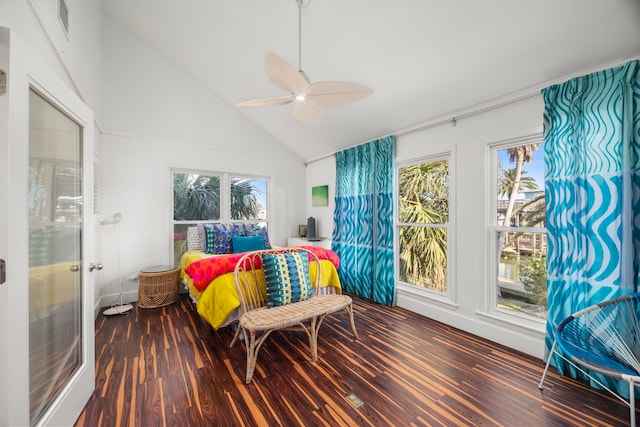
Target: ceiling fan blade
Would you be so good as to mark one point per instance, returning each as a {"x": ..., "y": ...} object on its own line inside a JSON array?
[
  {"x": 329, "y": 94},
  {"x": 308, "y": 112},
  {"x": 280, "y": 100},
  {"x": 284, "y": 75}
]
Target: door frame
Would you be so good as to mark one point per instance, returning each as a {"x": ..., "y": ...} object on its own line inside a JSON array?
[{"x": 25, "y": 71}]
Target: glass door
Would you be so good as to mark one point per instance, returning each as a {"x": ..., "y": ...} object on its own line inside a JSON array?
[
  {"x": 55, "y": 252},
  {"x": 47, "y": 361}
]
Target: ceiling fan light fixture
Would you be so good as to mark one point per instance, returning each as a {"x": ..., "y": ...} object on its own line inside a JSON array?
[{"x": 310, "y": 99}]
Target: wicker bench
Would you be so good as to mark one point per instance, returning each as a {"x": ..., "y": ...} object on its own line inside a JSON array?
[{"x": 258, "y": 319}]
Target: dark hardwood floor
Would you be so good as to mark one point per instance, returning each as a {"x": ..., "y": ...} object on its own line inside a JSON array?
[{"x": 167, "y": 367}]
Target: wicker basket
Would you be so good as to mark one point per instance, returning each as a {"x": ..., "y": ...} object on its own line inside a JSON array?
[{"x": 158, "y": 288}]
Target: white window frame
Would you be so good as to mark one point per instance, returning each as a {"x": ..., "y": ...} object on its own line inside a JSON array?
[
  {"x": 225, "y": 199},
  {"x": 491, "y": 308},
  {"x": 447, "y": 298}
]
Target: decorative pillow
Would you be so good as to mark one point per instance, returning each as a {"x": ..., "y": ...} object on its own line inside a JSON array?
[
  {"x": 287, "y": 277},
  {"x": 219, "y": 239},
  {"x": 222, "y": 243},
  {"x": 203, "y": 235},
  {"x": 247, "y": 227},
  {"x": 194, "y": 242},
  {"x": 261, "y": 231},
  {"x": 247, "y": 243},
  {"x": 224, "y": 237},
  {"x": 212, "y": 234},
  {"x": 209, "y": 239}
]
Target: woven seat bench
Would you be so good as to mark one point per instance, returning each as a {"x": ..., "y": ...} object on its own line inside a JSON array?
[{"x": 254, "y": 274}]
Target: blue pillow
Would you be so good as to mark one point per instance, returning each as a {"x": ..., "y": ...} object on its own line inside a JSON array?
[
  {"x": 287, "y": 277},
  {"x": 247, "y": 243},
  {"x": 261, "y": 231}
]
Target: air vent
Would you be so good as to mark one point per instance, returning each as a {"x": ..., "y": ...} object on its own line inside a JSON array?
[
  {"x": 63, "y": 16},
  {"x": 355, "y": 401}
]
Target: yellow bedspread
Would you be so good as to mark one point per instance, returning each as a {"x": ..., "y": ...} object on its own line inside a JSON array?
[
  {"x": 53, "y": 284},
  {"x": 220, "y": 297}
]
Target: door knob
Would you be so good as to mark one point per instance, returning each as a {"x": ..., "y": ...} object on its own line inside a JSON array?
[
  {"x": 93, "y": 266},
  {"x": 74, "y": 268}
]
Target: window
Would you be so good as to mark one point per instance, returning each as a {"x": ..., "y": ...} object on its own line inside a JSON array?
[
  {"x": 196, "y": 197},
  {"x": 518, "y": 230},
  {"x": 423, "y": 224},
  {"x": 248, "y": 198},
  {"x": 200, "y": 197},
  {"x": 63, "y": 202}
]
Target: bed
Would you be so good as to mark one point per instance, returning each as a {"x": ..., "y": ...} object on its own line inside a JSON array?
[{"x": 209, "y": 279}]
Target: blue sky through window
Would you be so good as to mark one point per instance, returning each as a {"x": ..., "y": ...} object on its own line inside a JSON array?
[
  {"x": 535, "y": 169},
  {"x": 260, "y": 192},
  {"x": 261, "y": 186}
]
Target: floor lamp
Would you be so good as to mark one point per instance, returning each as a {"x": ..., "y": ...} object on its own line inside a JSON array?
[{"x": 117, "y": 307}]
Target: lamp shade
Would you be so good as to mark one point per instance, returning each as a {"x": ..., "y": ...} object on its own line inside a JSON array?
[{"x": 115, "y": 219}]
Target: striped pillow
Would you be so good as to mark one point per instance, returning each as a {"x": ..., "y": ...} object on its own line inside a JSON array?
[{"x": 287, "y": 277}]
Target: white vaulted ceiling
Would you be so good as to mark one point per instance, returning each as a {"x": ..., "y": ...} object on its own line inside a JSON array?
[{"x": 424, "y": 59}]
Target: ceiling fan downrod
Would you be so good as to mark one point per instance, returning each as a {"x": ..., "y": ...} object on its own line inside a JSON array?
[{"x": 301, "y": 4}]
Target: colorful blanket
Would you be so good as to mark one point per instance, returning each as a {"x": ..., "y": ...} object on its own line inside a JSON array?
[
  {"x": 218, "y": 299},
  {"x": 204, "y": 271}
]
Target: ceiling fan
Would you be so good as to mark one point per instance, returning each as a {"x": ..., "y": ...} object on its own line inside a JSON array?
[{"x": 310, "y": 99}]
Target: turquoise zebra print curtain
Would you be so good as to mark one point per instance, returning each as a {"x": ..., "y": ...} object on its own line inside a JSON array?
[
  {"x": 592, "y": 179},
  {"x": 363, "y": 217}
]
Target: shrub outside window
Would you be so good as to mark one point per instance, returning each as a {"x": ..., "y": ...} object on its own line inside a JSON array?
[{"x": 423, "y": 221}]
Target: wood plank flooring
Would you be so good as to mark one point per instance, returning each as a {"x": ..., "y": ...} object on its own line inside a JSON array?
[{"x": 167, "y": 367}]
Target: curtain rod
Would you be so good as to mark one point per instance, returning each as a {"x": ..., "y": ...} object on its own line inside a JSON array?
[
  {"x": 533, "y": 91},
  {"x": 453, "y": 120}
]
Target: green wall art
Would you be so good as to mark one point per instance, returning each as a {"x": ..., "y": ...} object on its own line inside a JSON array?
[{"x": 320, "y": 195}]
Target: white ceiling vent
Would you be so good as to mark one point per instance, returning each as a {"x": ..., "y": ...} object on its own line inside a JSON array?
[{"x": 63, "y": 16}]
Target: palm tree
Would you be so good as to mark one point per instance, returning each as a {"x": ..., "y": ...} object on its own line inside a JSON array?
[
  {"x": 507, "y": 179},
  {"x": 534, "y": 212},
  {"x": 424, "y": 200},
  {"x": 197, "y": 197},
  {"x": 505, "y": 187},
  {"x": 520, "y": 155},
  {"x": 244, "y": 203}
]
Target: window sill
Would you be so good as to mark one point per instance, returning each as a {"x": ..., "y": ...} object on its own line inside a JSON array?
[
  {"x": 514, "y": 321},
  {"x": 426, "y": 295}
]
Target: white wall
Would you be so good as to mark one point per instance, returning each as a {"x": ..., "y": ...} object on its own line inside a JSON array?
[
  {"x": 468, "y": 144},
  {"x": 321, "y": 172},
  {"x": 156, "y": 118},
  {"x": 74, "y": 59},
  {"x": 152, "y": 117}
]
